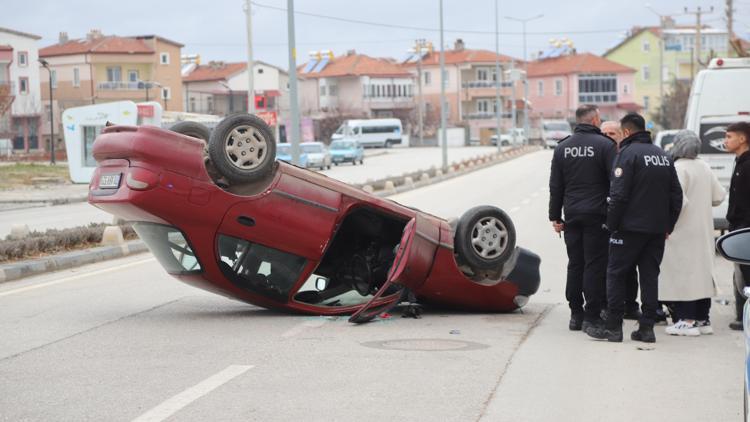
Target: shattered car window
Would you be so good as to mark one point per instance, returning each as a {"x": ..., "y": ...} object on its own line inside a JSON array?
[
  {"x": 266, "y": 271},
  {"x": 169, "y": 246}
]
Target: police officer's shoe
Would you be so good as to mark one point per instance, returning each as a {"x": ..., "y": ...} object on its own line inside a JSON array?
[
  {"x": 587, "y": 325},
  {"x": 644, "y": 333},
  {"x": 632, "y": 313},
  {"x": 576, "y": 322},
  {"x": 613, "y": 335},
  {"x": 736, "y": 325}
]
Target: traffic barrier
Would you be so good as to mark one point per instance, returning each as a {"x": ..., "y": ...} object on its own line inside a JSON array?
[
  {"x": 18, "y": 231},
  {"x": 112, "y": 236}
]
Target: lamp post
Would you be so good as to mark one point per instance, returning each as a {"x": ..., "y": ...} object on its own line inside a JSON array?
[
  {"x": 498, "y": 79},
  {"x": 526, "y": 75},
  {"x": 250, "y": 73},
  {"x": 231, "y": 96},
  {"x": 293, "y": 102},
  {"x": 443, "y": 136},
  {"x": 45, "y": 64}
]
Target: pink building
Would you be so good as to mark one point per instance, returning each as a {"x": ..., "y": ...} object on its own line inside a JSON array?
[{"x": 557, "y": 86}]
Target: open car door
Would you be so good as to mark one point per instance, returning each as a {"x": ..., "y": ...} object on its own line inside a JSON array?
[{"x": 410, "y": 266}]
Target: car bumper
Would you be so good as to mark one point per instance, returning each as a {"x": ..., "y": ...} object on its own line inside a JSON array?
[{"x": 525, "y": 275}]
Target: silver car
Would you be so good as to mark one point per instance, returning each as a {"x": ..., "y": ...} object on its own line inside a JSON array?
[{"x": 318, "y": 155}]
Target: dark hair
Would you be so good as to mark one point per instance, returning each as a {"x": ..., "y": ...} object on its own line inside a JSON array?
[
  {"x": 633, "y": 122},
  {"x": 740, "y": 127},
  {"x": 585, "y": 113}
]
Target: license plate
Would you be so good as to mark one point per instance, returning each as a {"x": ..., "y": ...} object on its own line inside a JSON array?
[{"x": 109, "y": 181}]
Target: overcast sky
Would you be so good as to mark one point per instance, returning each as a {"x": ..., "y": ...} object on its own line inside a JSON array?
[{"x": 215, "y": 29}]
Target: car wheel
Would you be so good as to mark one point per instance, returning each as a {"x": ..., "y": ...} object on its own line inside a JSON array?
[
  {"x": 242, "y": 148},
  {"x": 193, "y": 129},
  {"x": 329, "y": 167},
  {"x": 336, "y": 163},
  {"x": 485, "y": 237},
  {"x": 362, "y": 161}
]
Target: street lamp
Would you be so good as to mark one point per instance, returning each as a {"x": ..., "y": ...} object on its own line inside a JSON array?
[
  {"x": 231, "y": 96},
  {"x": 498, "y": 79},
  {"x": 661, "y": 51},
  {"x": 45, "y": 64},
  {"x": 443, "y": 135},
  {"x": 293, "y": 102},
  {"x": 526, "y": 75}
]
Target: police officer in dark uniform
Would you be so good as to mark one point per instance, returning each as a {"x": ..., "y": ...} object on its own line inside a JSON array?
[
  {"x": 645, "y": 202},
  {"x": 579, "y": 183}
]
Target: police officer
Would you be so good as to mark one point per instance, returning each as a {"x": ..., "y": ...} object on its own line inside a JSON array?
[
  {"x": 645, "y": 202},
  {"x": 579, "y": 182}
]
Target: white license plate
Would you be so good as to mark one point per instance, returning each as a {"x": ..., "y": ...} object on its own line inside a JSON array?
[{"x": 109, "y": 181}]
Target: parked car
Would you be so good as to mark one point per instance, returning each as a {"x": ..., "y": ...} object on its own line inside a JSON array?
[
  {"x": 382, "y": 133},
  {"x": 317, "y": 155},
  {"x": 284, "y": 153},
  {"x": 665, "y": 139},
  {"x": 347, "y": 150},
  {"x": 514, "y": 138},
  {"x": 283, "y": 237},
  {"x": 553, "y": 131},
  {"x": 735, "y": 246}
]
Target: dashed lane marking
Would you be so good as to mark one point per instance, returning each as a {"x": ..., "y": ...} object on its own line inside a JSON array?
[{"x": 299, "y": 328}]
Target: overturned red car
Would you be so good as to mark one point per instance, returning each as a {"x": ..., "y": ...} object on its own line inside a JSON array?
[{"x": 225, "y": 216}]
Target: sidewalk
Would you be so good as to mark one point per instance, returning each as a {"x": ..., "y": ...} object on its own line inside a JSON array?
[{"x": 46, "y": 194}]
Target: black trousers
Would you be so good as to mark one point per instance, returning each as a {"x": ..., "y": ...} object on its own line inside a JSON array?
[
  {"x": 694, "y": 309},
  {"x": 585, "y": 289},
  {"x": 631, "y": 292},
  {"x": 741, "y": 275},
  {"x": 628, "y": 251}
]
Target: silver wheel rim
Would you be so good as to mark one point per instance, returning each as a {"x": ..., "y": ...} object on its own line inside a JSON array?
[
  {"x": 245, "y": 147},
  {"x": 489, "y": 237}
]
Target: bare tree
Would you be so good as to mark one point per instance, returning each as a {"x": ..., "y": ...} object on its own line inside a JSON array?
[{"x": 671, "y": 113}]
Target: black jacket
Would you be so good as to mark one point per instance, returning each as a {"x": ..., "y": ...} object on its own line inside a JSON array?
[
  {"x": 738, "y": 213},
  {"x": 579, "y": 179},
  {"x": 645, "y": 193}
]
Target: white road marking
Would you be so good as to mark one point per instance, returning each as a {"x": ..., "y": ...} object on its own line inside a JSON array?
[
  {"x": 525, "y": 201},
  {"x": 299, "y": 328},
  {"x": 74, "y": 277},
  {"x": 514, "y": 209},
  {"x": 535, "y": 194},
  {"x": 176, "y": 403}
]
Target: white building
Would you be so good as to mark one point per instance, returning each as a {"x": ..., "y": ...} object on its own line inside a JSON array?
[{"x": 20, "y": 99}]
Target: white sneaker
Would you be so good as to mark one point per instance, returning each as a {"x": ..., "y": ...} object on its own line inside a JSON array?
[
  {"x": 683, "y": 328},
  {"x": 704, "y": 327}
]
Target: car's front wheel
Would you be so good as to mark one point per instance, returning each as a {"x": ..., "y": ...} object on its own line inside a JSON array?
[
  {"x": 242, "y": 148},
  {"x": 485, "y": 237}
]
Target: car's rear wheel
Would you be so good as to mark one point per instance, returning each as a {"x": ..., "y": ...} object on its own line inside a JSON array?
[
  {"x": 194, "y": 129},
  {"x": 485, "y": 237},
  {"x": 242, "y": 148}
]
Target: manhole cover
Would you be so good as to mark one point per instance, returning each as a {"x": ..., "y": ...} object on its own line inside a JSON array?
[{"x": 425, "y": 345}]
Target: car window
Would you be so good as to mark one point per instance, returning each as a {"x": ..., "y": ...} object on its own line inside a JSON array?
[
  {"x": 263, "y": 270},
  {"x": 666, "y": 142},
  {"x": 169, "y": 246},
  {"x": 311, "y": 149}
]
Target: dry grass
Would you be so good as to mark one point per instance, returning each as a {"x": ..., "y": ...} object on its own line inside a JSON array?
[{"x": 21, "y": 175}]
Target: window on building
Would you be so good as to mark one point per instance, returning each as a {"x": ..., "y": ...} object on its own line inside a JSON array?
[
  {"x": 322, "y": 90},
  {"x": 646, "y": 102},
  {"x": 540, "y": 88},
  {"x": 558, "y": 87},
  {"x": 625, "y": 88},
  {"x": 427, "y": 78},
  {"x": 133, "y": 75},
  {"x": 364, "y": 90},
  {"x": 646, "y": 46},
  {"x": 333, "y": 90},
  {"x": 210, "y": 104},
  {"x": 389, "y": 90},
  {"x": 483, "y": 74},
  {"x": 53, "y": 77},
  {"x": 597, "y": 88},
  {"x": 260, "y": 70},
  {"x": 114, "y": 74},
  {"x": 646, "y": 73},
  {"x": 23, "y": 85},
  {"x": 166, "y": 93},
  {"x": 192, "y": 104},
  {"x": 23, "y": 58},
  {"x": 76, "y": 77},
  {"x": 483, "y": 106},
  {"x": 164, "y": 58}
]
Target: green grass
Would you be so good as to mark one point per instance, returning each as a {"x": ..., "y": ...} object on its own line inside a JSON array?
[{"x": 20, "y": 175}]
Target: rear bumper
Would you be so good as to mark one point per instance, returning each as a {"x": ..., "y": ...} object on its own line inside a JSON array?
[{"x": 525, "y": 274}]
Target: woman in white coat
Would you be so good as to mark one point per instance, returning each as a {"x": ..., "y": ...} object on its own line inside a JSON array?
[{"x": 686, "y": 279}]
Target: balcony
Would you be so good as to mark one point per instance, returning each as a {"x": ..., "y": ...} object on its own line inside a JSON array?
[
  {"x": 125, "y": 86},
  {"x": 480, "y": 115},
  {"x": 479, "y": 88},
  {"x": 485, "y": 84}
]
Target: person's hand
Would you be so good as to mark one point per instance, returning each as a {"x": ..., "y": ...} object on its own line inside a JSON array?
[
  {"x": 558, "y": 226},
  {"x": 667, "y": 236}
]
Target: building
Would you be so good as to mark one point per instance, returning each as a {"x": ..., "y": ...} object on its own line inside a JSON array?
[
  {"x": 221, "y": 88},
  {"x": 20, "y": 99},
  {"x": 558, "y": 85},
  {"x": 641, "y": 51},
  {"x": 355, "y": 85},
  {"x": 470, "y": 88},
  {"x": 104, "y": 68}
]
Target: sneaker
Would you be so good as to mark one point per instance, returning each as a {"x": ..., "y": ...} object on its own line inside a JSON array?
[
  {"x": 576, "y": 322},
  {"x": 644, "y": 333},
  {"x": 613, "y": 335},
  {"x": 683, "y": 328},
  {"x": 704, "y": 327}
]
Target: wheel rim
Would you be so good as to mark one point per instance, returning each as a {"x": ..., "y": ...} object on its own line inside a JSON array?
[
  {"x": 245, "y": 147},
  {"x": 489, "y": 237}
]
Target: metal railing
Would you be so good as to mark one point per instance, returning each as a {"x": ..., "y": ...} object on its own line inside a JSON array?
[
  {"x": 120, "y": 86},
  {"x": 479, "y": 115},
  {"x": 486, "y": 84}
]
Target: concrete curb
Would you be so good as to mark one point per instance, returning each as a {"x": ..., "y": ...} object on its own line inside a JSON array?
[
  {"x": 22, "y": 269},
  {"x": 53, "y": 201}
]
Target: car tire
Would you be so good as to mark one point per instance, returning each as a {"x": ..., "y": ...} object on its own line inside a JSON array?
[
  {"x": 472, "y": 240},
  {"x": 192, "y": 129},
  {"x": 328, "y": 167},
  {"x": 242, "y": 148},
  {"x": 336, "y": 164},
  {"x": 362, "y": 161}
]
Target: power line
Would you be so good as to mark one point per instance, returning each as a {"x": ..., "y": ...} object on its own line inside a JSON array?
[{"x": 428, "y": 29}]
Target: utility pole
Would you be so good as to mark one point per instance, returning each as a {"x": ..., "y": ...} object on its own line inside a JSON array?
[
  {"x": 730, "y": 23},
  {"x": 498, "y": 80},
  {"x": 250, "y": 72},
  {"x": 526, "y": 75},
  {"x": 697, "y": 56},
  {"x": 293, "y": 103},
  {"x": 418, "y": 48},
  {"x": 513, "y": 109},
  {"x": 443, "y": 135},
  {"x": 662, "y": 27}
]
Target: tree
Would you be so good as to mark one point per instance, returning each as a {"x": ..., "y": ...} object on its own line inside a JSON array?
[{"x": 671, "y": 113}]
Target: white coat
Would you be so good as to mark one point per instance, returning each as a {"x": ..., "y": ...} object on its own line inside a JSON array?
[{"x": 688, "y": 263}]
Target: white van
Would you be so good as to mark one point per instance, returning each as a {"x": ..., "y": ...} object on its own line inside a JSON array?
[
  {"x": 371, "y": 133},
  {"x": 715, "y": 103},
  {"x": 555, "y": 130}
]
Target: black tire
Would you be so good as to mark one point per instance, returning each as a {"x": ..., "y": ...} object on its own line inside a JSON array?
[
  {"x": 329, "y": 167},
  {"x": 362, "y": 161},
  {"x": 193, "y": 129},
  {"x": 262, "y": 153},
  {"x": 496, "y": 250}
]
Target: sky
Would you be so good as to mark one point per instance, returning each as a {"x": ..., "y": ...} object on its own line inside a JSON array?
[{"x": 216, "y": 29}]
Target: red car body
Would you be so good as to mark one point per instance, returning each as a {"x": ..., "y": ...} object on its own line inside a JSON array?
[{"x": 293, "y": 219}]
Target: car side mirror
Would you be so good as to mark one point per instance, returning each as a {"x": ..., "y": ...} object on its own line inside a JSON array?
[
  {"x": 735, "y": 246},
  {"x": 321, "y": 283}
]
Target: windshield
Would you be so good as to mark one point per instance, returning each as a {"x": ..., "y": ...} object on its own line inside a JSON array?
[
  {"x": 340, "y": 130},
  {"x": 169, "y": 246},
  {"x": 667, "y": 141},
  {"x": 266, "y": 271},
  {"x": 283, "y": 150},
  {"x": 557, "y": 126},
  {"x": 312, "y": 148},
  {"x": 342, "y": 145}
]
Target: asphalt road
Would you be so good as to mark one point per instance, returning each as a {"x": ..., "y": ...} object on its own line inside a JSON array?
[{"x": 122, "y": 340}]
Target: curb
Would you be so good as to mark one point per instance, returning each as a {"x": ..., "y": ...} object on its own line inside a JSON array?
[
  {"x": 22, "y": 269},
  {"x": 54, "y": 201}
]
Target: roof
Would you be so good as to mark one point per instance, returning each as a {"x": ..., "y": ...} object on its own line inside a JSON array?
[
  {"x": 575, "y": 63},
  {"x": 221, "y": 71},
  {"x": 110, "y": 44},
  {"x": 463, "y": 56},
  {"x": 162, "y": 39},
  {"x": 19, "y": 33},
  {"x": 357, "y": 65},
  {"x": 6, "y": 47}
]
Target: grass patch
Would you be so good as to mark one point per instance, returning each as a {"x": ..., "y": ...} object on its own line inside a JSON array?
[{"x": 20, "y": 175}]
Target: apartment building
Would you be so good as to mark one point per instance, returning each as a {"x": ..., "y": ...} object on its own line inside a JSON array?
[{"x": 20, "y": 99}]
